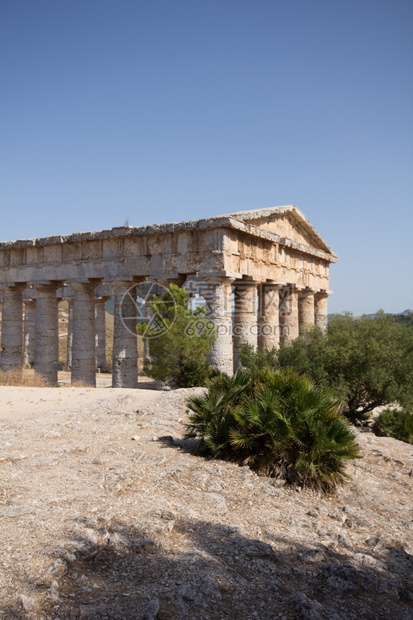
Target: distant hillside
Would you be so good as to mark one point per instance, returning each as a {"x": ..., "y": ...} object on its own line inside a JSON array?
[{"x": 405, "y": 317}]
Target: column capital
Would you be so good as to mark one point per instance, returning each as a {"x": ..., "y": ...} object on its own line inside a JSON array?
[
  {"x": 246, "y": 284},
  {"x": 166, "y": 278},
  {"x": 272, "y": 285},
  {"x": 47, "y": 287},
  {"x": 102, "y": 300},
  {"x": 323, "y": 293},
  {"x": 15, "y": 286},
  {"x": 307, "y": 292},
  {"x": 81, "y": 285},
  {"x": 215, "y": 279}
]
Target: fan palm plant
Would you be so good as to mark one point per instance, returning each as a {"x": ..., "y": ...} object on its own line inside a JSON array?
[
  {"x": 212, "y": 417},
  {"x": 279, "y": 423}
]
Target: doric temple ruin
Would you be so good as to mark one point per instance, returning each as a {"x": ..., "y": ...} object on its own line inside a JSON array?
[{"x": 263, "y": 275}]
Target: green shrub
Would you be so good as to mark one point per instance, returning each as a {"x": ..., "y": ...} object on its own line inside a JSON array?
[
  {"x": 278, "y": 423},
  {"x": 256, "y": 360},
  {"x": 178, "y": 355},
  {"x": 365, "y": 362},
  {"x": 396, "y": 423}
]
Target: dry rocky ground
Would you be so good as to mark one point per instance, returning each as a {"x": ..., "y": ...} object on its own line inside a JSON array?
[{"x": 105, "y": 513}]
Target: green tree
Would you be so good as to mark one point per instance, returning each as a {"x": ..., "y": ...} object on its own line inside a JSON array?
[
  {"x": 179, "y": 339},
  {"x": 279, "y": 423},
  {"x": 366, "y": 362}
]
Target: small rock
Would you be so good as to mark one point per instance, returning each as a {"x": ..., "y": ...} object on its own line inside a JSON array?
[
  {"x": 150, "y": 545},
  {"x": 135, "y": 438},
  {"x": 216, "y": 501},
  {"x": 342, "y": 540},
  {"x": 50, "y": 434},
  {"x": 167, "y": 515},
  {"x": 86, "y": 611},
  {"x": 118, "y": 540},
  {"x": 90, "y": 535},
  {"x": 53, "y": 592},
  {"x": 27, "y": 602},
  {"x": 313, "y": 512},
  {"x": 335, "y": 514},
  {"x": 372, "y": 540},
  {"x": 152, "y": 610},
  {"x": 58, "y": 568},
  {"x": 315, "y": 555}
]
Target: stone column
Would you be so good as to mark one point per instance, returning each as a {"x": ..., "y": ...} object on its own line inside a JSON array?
[
  {"x": 69, "y": 332},
  {"x": 29, "y": 332},
  {"x": 305, "y": 310},
  {"x": 83, "y": 347},
  {"x": 100, "y": 322},
  {"x": 268, "y": 316},
  {"x": 46, "y": 356},
  {"x": 245, "y": 316},
  {"x": 289, "y": 313},
  {"x": 125, "y": 344},
  {"x": 320, "y": 310},
  {"x": 218, "y": 301},
  {"x": 12, "y": 328}
]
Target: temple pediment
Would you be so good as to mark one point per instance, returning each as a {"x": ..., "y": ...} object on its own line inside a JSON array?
[{"x": 288, "y": 222}]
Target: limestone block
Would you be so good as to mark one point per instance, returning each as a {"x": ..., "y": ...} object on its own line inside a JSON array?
[
  {"x": 52, "y": 254},
  {"x": 92, "y": 249}
]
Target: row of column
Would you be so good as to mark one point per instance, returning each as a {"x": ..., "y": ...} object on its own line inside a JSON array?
[
  {"x": 241, "y": 311},
  {"x": 33, "y": 339},
  {"x": 261, "y": 315}
]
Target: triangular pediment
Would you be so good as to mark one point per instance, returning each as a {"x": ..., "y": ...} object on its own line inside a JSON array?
[{"x": 288, "y": 222}]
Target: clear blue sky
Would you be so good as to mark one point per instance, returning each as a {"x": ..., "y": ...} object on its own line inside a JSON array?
[{"x": 167, "y": 110}]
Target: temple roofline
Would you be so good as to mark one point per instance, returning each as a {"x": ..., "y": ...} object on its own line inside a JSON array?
[{"x": 238, "y": 220}]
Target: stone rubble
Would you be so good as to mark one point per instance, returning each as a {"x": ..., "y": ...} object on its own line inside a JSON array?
[{"x": 96, "y": 525}]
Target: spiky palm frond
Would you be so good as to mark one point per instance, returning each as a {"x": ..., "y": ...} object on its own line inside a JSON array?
[{"x": 279, "y": 423}]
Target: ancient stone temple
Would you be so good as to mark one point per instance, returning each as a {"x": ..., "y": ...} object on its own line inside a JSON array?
[{"x": 263, "y": 275}]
